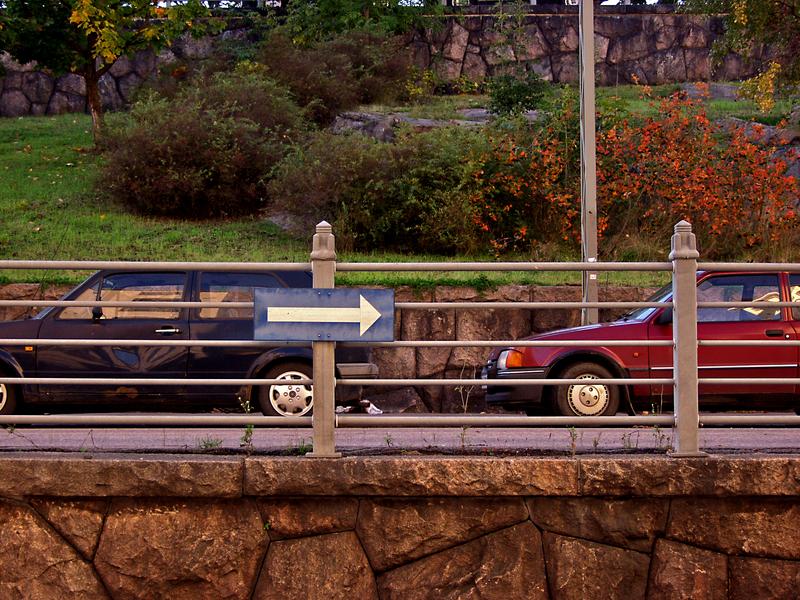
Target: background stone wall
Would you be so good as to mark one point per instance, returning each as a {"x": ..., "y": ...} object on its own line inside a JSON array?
[
  {"x": 650, "y": 44},
  {"x": 406, "y": 527}
]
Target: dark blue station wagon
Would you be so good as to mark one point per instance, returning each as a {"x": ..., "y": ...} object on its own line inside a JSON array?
[{"x": 178, "y": 362}]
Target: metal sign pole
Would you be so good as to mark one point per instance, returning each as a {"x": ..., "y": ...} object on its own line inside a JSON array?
[{"x": 588, "y": 159}]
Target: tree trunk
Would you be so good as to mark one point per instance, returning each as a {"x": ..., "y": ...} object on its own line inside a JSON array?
[{"x": 95, "y": 103}]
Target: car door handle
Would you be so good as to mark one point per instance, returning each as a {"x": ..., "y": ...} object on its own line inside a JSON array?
[
  {"x": 168, "y": 330},
  {"x": 776, "y": 333}
]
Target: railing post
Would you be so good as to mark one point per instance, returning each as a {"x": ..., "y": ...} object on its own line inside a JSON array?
[
  {"x": 323, "y": 269},
  {"x": 684, "y": 335}
]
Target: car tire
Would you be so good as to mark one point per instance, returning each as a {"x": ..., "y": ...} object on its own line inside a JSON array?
[
  {"x": 8, "y": 399},
  {"x": 289, "y": 399},
  {"x": 587, "y": 400}
]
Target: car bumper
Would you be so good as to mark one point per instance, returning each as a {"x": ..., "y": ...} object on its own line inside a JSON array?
[
  {"x": 351, "y": 393},
  {"x": 507, "y": 395},
  {"x": 357, "y": 370}
]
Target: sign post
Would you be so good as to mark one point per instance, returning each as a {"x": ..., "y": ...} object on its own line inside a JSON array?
[
  {"x": 323, "y": 316},
  {"x": 323, "y": 269}
]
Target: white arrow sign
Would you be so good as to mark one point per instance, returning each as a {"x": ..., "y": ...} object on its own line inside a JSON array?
[{"x": 365, "y": 315}]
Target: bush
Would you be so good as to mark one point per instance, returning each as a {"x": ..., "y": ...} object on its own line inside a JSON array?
[
  {"x": 678, "y": 165},
  {"x": 509, "y": 94},
  {"x": 336, "y": 75},
  {"x": 407, "y": 196},
  {"x": 207, "y": 152}
]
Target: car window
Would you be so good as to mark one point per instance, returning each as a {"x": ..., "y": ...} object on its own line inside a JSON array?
[
  {"x": 739, "y": 288},
  {"x": 232, "y": 287},
  {"x": 142, "y": 287},
  {"x": 794, "y": 294},
  {"x": 81, "y": 312}
]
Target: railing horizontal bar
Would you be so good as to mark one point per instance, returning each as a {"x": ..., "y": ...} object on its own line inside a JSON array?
[
  {"x": 157, "y": 420},
  {"x": 148, "y": 381},
  {"x": 96, "y": 265},
  {"x": 747, "y": 420},
  {"x": 496, "y": 421},
  {"x": 501, "y": 382},
  {"x": 501, "y": 343},
  {"x": 763, "y": 304},
  {"x": 524, "y": 305},
  {"x": 262, "y": 343},
  {"x": 349, "y": 382},
  {"x": 149, "y": 343},
  {"x": 505, "y": 266},
  {"x": 126, "y": 304},
  {"x": 775, "y": 342},
  {"x": 749, "y": 380},
  {"x": 728, "y": 266}
]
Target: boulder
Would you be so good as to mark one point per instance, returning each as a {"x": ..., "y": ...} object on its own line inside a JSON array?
[
  {"x": 79, "y": 521},
  {"x": 763, "y": 578},
  {"x": 685, "y": 572},
  {"x": 13, "y": 103},
  {"x": 39, "y": 563},
  {"x": 565, "y": 68},
  {"x": 71, "y": 84},
  {"x": 631, "y": 523},
  {"x": 316, "y": 568},
  {"x": 62, "y": 103},
  {"x": 38, "y": 87},
  {"x": 581, "y": 569},
  {"x": 128, "y": 86},
  {"x": 397, "y": 531},
  {"x": 181, "y": 549},
  {"x": 493, "y": 567},
  {"x": 380, "y": 127},
  {"x": 296, "y": 517},
  {"x": 402, "y": 400},
  {"x": 456, "y": 45},
  {"x": 765, "y": 527}
]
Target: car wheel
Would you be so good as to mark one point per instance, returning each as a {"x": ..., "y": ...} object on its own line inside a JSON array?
[
  {"x": 587, "y": 399},
  {"x": 8, "y": 399},
  {"x": 287, "y": 399}
]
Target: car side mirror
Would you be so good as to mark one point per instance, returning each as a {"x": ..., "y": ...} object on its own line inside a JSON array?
[
  {"x": 97, "y": 313},
  {"x": 665, "y": 318}
]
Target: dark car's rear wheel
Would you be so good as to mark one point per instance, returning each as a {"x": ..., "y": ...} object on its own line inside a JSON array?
[
  {"x": 289, "y": 399},
  {"x": 587, "y": 399},
  {"x": 8, "y": 399}
]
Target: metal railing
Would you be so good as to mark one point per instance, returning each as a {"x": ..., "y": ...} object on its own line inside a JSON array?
[{"x": 686, "y": 419}]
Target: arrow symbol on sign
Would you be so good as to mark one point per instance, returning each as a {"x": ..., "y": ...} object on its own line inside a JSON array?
[{"x": 365, "y": 315}]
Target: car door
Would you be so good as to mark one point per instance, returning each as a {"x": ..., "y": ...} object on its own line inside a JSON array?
[
  {"x": 718, "y": 323},
  {"x": 118, "y": 323},
  {"x": 225, "y": 324}
]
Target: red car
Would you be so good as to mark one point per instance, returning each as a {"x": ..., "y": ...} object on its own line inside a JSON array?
[{"x": 640, "y": 361}]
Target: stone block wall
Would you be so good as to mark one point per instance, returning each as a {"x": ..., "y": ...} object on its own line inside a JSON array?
[
  {"x": 399, "y": 527},
  {"x": 652, "y": 45}
]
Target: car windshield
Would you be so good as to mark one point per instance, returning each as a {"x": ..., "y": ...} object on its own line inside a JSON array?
[{"x": 639, "y": 314}]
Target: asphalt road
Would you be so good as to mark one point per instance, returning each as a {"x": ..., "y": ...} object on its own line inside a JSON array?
[{"x": 383, "y": 440}]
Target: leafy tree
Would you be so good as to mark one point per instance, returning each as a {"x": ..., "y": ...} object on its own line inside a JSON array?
[
  {"x": 86, "y": 37},
  {"x": 772, "y": 22}
]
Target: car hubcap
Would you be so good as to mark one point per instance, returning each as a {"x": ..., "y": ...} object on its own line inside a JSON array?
[
  {"x": 291, "y": 399},
  {"x": 587, "y": 399},
  {"x": 3, "y": 395}
]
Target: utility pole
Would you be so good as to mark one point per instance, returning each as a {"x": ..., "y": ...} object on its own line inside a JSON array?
[{"x": 588, "y": 158}]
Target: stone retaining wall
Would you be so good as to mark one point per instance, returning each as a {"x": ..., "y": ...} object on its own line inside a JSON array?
[
  {"x": 399, "y": 527},
  {"x": 652, "y": 44}
]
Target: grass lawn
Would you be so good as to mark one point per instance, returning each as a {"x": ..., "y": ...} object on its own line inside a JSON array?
[{"x": 49, "y": 209}]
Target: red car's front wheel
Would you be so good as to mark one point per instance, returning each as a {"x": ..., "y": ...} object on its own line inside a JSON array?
[{"x": 587, "y": 399}]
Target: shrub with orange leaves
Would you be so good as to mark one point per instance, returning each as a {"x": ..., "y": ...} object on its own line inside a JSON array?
[
  {"x": 651, "y": 173},
  {"x": 679, "y": 165}
]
